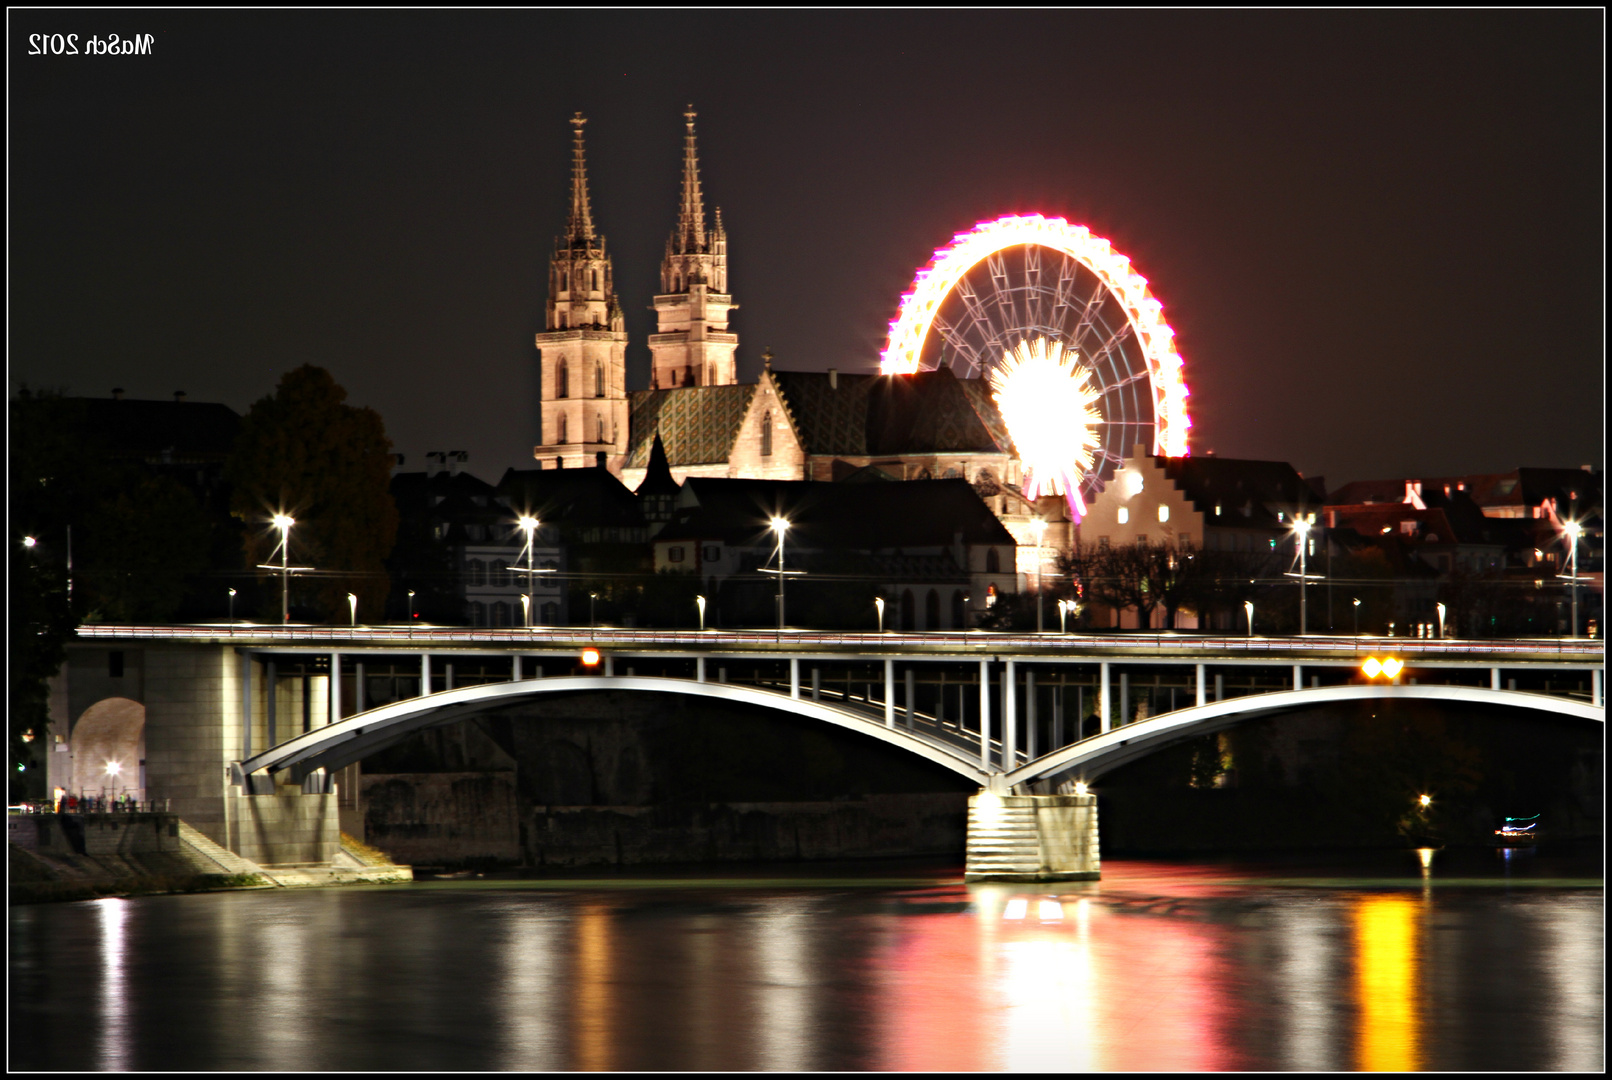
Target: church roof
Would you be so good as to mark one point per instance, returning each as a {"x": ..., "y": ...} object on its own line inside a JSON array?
[
  {"x": 928, "y": 412},
  {"x": 697, "y": 424}
]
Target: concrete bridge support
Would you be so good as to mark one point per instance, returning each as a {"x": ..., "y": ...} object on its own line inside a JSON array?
[{"x": 1032, "y": 838}]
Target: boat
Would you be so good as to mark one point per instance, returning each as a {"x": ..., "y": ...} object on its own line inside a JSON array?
[{"x": 1518, "y": 832}]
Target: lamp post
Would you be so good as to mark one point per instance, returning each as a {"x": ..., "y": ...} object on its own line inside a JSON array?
[
  {"x": 528, "y": 525},
  {"x": 232, "y": 605},
  {"x": 1573, "y": 528},
  {"x": 526, "y": 609},
  {"x": 1357, "y": 616},
  {"x": 283, "y": 522},
  {"x": 1063, "y": 615},
  {"x": 699, "y": 602},
  {"x": 411, "y": 604},
  {"x": 1248, "y": 606},
  {"x": 352, "y": 609},
  {"x": 1301, "y": 530},
  {"x": 1040, "y": 527},
  {"x": 592, "y": 618},
  {"x": 1440, "y": 620},
  {"x": 780, "y": 526},
  {"x": 878, "y": 604}
]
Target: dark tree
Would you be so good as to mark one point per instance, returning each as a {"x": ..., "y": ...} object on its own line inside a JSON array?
[{"x": 304, "y": 452}]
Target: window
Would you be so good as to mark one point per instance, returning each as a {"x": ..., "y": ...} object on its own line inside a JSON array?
[
  {"x": 563, "y": 385},
  {"x": 1278, "y": 515},
  {"x": 500, "y": 575},
  {"x": 993, "y": 562},
  {"x": 598, "y": 380},
  {"x": 1217, "y": 509},
  {"x": 594, "y": 276},
  {"x": 478, "y": 613},
  {"x": 562, "y": 437},
  {"x": 476, "y": 532},
  {"x": 674, "y": 554},
  {"x": 766, "y": 434},
  {"x": 990, "y": 596},
  {"x": 477, "y": 573},
  {"x": 599, "y": 430},
  {"x": 501, "y": 613},
  {"x": 958, "y": 617},
  {"x": 549, "y": 614},
  {"x": 909, "y": 613},
  {"x": 712, "y": 552},
  {"x": 1141, "y": 539},
  {"x": 932, "y": 611},
  {"x": 1164, "y": 513},
  {"x": 1124, "y": 515}
]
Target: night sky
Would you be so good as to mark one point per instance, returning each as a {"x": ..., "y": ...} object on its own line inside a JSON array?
[{"x": 1379, "y": 235}]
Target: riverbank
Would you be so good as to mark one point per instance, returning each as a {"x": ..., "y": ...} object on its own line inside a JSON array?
[{"x": 56, "y": 857}]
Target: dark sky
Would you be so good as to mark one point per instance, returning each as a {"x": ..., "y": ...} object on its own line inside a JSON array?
[{"x": 1379, "y": 235}]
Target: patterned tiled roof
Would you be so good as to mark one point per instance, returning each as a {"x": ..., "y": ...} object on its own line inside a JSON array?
[
  {"x": 697, "y": 424},
  {"x": 929, "y": 412}
]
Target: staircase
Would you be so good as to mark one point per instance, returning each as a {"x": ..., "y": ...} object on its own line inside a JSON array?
[
  {"x": 1003, "y": 841},
  {"x": 209, "y": 858}
]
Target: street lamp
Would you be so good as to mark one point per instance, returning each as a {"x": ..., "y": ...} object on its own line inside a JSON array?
[
  {"x": 1248, "y": 606},
  {"x": 699, "y": 602},
  {"x": 352, "y": 608},
  {"x": 1357, "y": 616},
  {"x": 1040, "y": 527},
  {"x": 526, "y": 609},
  {"x": 592, "y": 618},
  {"x": 1064, "y": 608},
  {"x": 528, "y": 525},
  {"x": 1440, "y": 620},
  {"x": 1301, "y": 529},
  {"x": 1573, "y": 528},
  {"x": 411, "y": 605},
  {"x": 878, "y": 603},
  {"x": 232, "y": 605},
  {"x": 29, "y": 542},
  {"x": 283, "y": 522},
  {"x": 780, "y": 526}
]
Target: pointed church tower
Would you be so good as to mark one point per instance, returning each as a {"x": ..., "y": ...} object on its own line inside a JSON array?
[
  {"x": 692, "y": 346},
  {"x": 582, "y": 355}
]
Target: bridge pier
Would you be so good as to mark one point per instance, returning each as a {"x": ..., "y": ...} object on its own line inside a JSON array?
[{"x": 1032, "y": 838}]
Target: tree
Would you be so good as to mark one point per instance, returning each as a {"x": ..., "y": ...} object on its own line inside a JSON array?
[{"x": 305, "y": 453}]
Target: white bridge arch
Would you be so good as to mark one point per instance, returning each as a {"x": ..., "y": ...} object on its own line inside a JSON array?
[
  {"x": 335, "y": 745},
  {"x": 1091, "y": 758}
]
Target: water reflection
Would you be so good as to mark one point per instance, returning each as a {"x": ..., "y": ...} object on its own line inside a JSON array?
[
  {"x": 1387, "y": 940},
  {"x": 1171, "y": 969}
]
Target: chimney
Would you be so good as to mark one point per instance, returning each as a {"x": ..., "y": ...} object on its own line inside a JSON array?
[
  {"x": 117, "y": 393},
  {"x": 456, "y": 458},
  {"x": 599, "y": 460},
  {"x": 434, "y": 461},
  {"x": 833, "y": 379},
  {"x": 179, "y": 395}
]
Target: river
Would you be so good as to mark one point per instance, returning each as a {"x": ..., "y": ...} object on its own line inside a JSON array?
[{"x": 1480, "y": 962}]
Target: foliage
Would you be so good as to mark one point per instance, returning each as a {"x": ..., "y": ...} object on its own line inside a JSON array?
[
  {"x": 302, "y": 451},
  {"x": 1148, "y": 575},
  {"x": 145, "y": 543}
]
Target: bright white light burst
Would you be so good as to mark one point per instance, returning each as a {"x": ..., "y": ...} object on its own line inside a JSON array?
[{"x": 1046, "y": 398}]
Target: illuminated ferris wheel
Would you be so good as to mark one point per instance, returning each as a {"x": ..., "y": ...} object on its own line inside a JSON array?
[{"x": 1071, "y": 341}]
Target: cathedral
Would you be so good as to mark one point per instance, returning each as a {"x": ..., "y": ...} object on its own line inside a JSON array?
[{"x": 788, "y": 425}]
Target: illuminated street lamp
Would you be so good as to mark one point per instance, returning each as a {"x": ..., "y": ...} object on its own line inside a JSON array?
[
  {"x": 232, "y": 605},
  {"x": 283, "y": 522},
  {"x": 528, "y": 525},
  {"x": 878, "y": 604},
  {"x": 1573, "y": 528},
  {"x": 526, "y": 609},
  {"x": 352, "y": 608},
  {"x": 1357, "y": 616},
  {"x": 1440, "y": 620},
  {"x": 1248, "y": 606},
  {"x": 29, "y": 542},
  {"x": 1065, "y": 609},
  {"x": 780, "y": 526},
  {"x": 411, "y": 604},
  {"x": 1040, "y": 528},
  {"x": 699, "y": 602},
  {"x": 1301, "y": 529}
]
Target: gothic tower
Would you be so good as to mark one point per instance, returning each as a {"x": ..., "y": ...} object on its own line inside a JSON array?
[
  {"x": 693, "y": 346},
  {"x": 582, "y": 355}
]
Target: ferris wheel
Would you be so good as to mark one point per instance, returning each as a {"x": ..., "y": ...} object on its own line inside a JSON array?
[{"x": 1068, "y": 335}]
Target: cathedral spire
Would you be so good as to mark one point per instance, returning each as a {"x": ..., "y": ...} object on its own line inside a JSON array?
[
  {"x": 691, "y": 210},
  {"x": 579, "y": 226}
]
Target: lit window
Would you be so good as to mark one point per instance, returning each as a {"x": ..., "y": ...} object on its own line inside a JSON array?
[
  {"x": 1164, "y": 513},
  {"x": 1278, "y": 515},
  {"x": 1217, "y": 509},
  {"x": 1124, "y": 515}
]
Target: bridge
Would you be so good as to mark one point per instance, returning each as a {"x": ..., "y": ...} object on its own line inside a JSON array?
[{"x": 1030, "y": 718}]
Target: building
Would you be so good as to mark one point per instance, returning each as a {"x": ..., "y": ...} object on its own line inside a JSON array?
[
  {"x": 788, "y": 425},
  {"x": 458, "y": 550},
  {"x": 930, "y": 549}
]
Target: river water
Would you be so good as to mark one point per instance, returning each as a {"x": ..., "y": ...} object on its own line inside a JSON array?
[{"x": 1481, "y": 962}]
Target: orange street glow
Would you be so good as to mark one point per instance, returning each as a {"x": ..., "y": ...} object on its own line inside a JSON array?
[{"x": 590, "y": 657}]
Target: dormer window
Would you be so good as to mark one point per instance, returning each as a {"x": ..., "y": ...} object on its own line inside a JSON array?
[{"x": 766, "y": 434}]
